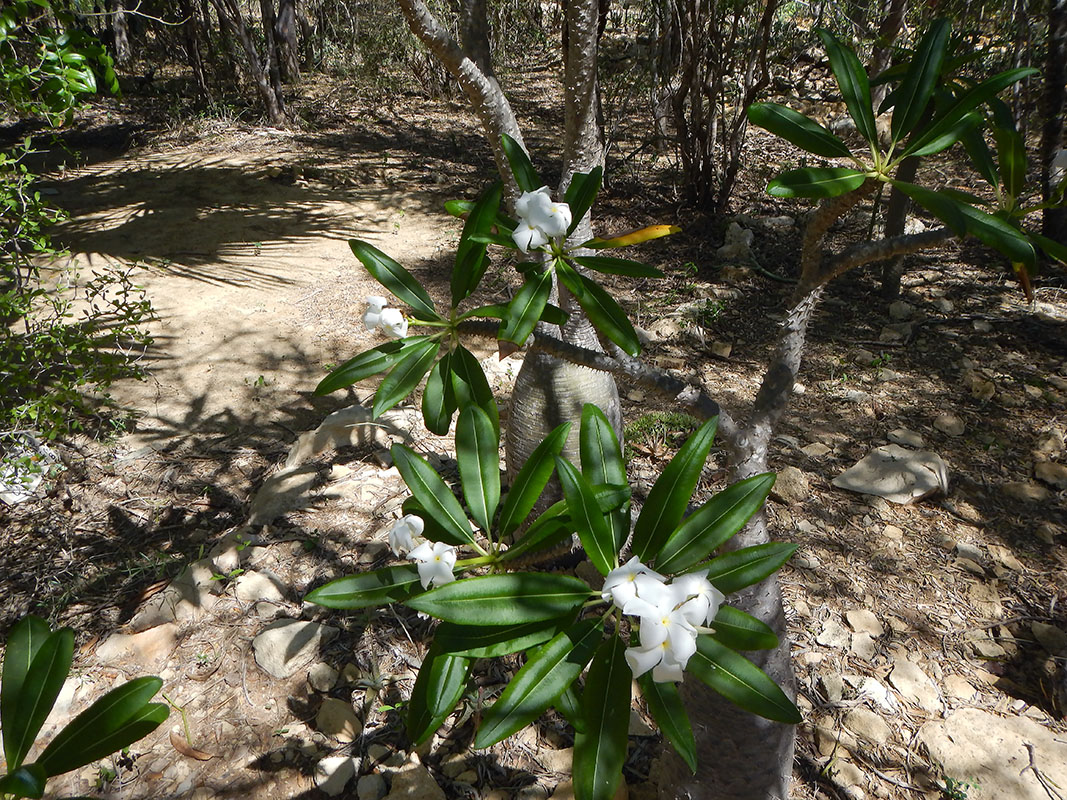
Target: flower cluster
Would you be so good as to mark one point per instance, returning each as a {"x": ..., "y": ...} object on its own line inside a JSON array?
[
  {"x": 670, "y": 615},
  {"x": 389, "y": 320},
  {"x": 540, "y": 219},
  {"x": 434, "y": 559}
]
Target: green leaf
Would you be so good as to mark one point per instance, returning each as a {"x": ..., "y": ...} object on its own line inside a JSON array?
[
  {"x": 600, "y": 307},
  {"x": 854, "y": 84},
  {"x": 369, "y": 362},
  {"x": 478, "y": 454},
  {"x": 618, "y": 266},
  {"x": 713, "y": 524},
  {"x": 740, "y": 681},
  {"x": 740, "y": 631},
  {"x": 432, "y": 529},
  {"x": 668, "y": 710},
  {"x": 117, "y": 720},
  {"x": 950, "y": 136},
  {"x": 525, "y": 309},
  {"x": 600, "y": 751},
  {"x": 797, "y": 129},
  {"x": 668, "y": 498},
  {"x": 581, "y": 192},
  {"x": 438, "y": 398},
  {"x": 555, "y": 525},
  {"x": 965, "y": 104},
  {"x": 470, "y": 385},
  {"x": 554, "y": 315},
  {"x": 1011, "y": 152},
  {"x": 439, "y": 686},
  {"x": 511, "y": 599},
  {"x": 1051, "y": 247},
  {"x": 501, "y": 239},
  {"x": 525, "y": 174},
  {"x": 592, "y": 528},
  {"x": 433, "y": 494},
  {"x": 26, "y": 781},
  {"x": 749, "y": 565},
  {"x": 602, "y": 463},
  {"x": 978, "y": 151},
  {"x": 471, "y": 259},
  {"x": 387, "y": 585},
  {"x": 459, "y": 208},
  {"x": 23, "y": 643},
  {"x": 493, "y": 641},
  {"x": 569, "y": 704},
  {"x": 394, "y": 278},
  {"x": 531, "y": 480},
  {"x": 38, "y": 690},
  {"x": 924, "y": 71},
  {"x": 495, "y": 311},
  {"x": 550, "y": 670},
  {"x": 405, "y": 376},
  {"x": 816, "y": 182}
]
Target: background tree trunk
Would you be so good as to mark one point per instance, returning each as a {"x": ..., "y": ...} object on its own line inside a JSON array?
[
  {"x": 285, "y": 34},
  {"x": 1053, "y": 111}
]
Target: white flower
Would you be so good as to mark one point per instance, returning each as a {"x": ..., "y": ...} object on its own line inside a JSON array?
[
  {"x": 1057, "y": 170},
  {"x": 393, "y": 323},
  {"x": 372, "y": 316},
  {"x": 435, "y": 561},
  {"x": 540, "y": 219},
  {"x": 699, "y": 601},
  {"x": 666, "y": 659},
  {"x": 668, "y": 632},
  {"x": 629, "y": 581},
  {"x": 405, "y": 529},
  {"x": 527, "y": 237}
]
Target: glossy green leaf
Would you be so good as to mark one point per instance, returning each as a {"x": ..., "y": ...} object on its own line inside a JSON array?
[
  {"x": 618, "y": 266},
  {"x": 740, "y": 681},
  {"x": 1011, "y": 152},
  {"x": 964, "y": 104},
  {"x": 602, "y": 463},
  {"x": 600, "y": 751},
  {"x": 981, "y": 158},
  {"x": 394, "y": 278},
  {"x": 735, "y": 570},
  {"x": 501, "y": 239},
  {"x": 794, "y": 127},
  {"x": 713, "y": 524},
  {"x": 512, "y": 599},
  {"x": 470, "y": 385},
  {"x": 949, "y": 137},
  {"x": 550, "y": 669},
  {"x": 433, "y": 494},
  {"x": 592, "y": 527},
  {"x": 669, "y": 496},
  {"x": 432, "y": 529},
  {"x": 740, "y": 631},
  {"x": 854, "y": 84},
  {"x": 493, "y": 641},
  {"x": 478, "y": 455},
  {"x": 1051, "y": 247},
  {"x": 495, "y": 311},
  {"x": 555, "y": 525},
  {"x": 471, "y": 259},
  {"x": 531, "y": 480},
  {"x": 38, "y": 690},
  {"x": 525, "y": 174},
  {"x": 525, "y": 309},
  {"x": 23, "y": 643},
  {"x": 117, "y": 720},
  {"x": 667, "y": 709},
  {"x": 387, "y": 585},
  {"x": 581, "y": 192},
  {"x": 554, "y": 315},
  {"x": 438, "y": 398},
  {"x": 600, "y": 307},
  {"x": 439, "y": 686},
  {"x": 924, "y": 71},
  {"x": 816, "y": 182},
  {"x": 405, "y": 376},
  {"x": 569, "y": 704},
  {"x": 369, "y": 362},
  {"x": 26, "y": 781}
]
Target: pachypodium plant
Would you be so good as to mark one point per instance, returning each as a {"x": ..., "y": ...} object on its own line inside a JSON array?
[
  {"x": 658, "y": 610},
  {"x": 36, "y": 663}
]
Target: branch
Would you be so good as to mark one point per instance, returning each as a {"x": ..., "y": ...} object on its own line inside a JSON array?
[
  {"x": 828, "y": 211},
  {"x": 868, "y": 252}
]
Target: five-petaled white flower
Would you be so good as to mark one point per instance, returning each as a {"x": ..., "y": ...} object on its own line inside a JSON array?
[
  {"x": 435, "y": 561},
  {"x": 405, "y": 529},
  {"x": 373, "y": 315},
  {"x": 540, "y": 219},
  {"x": 393, "y": 323},
  {"x": 630, "y": 580},
  {"x": 699, "y": 601}
]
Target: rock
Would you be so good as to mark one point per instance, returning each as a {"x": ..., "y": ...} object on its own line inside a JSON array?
[
  {"x": 253, "y": 587},
  {"x": 895, "y": 332},
  {"x": 331, "y": 774},
  {"x": 950, "y": 424},
  {"x": 287, "y": 645},
  {"x": 781, "y": 223},
  {"x": 944, "y": 305},
  {"x": 414, "y": 782},
  {"x": 893, "y": 533},
  {"x": 791, "y": 486},
  {"x": 337, "y": 719},
  {"x": 738, "y": 244},
  {"x": 1025, "y": 491},
  {"x": 996, "y": 752},
  {"x": 863, "y": 358},
  {"x": 914, "y": 685},
  {"x": 1052, "y": 473},
  {"x": 149, "y": 649},
  {"x": 722, "y": 349},
  {"x": 901, "y": 310},
  {"x": 863, "y": 620},
  {"x": 851, "y": 777},
  {"x": 370, "y": 787},
  {"x": 1047, "y": 532},
  {"x": 1051, "y": 638},
  {"x": 663, "y": 329},
  {"x": 969, "y": 551},
  {"x": 833, "y": 687},
  {"x": 349, "y": 426},
  {"x": 565, "y": 791},
  {"x": 558, "y": 761},
  {"x": 959, "y": 688},
  {"x": 897, "y": 474},
  {"x": 454, "y": 765},
  {"x": 815, "y": 450},
  {"x": 833, "y": 634},
  {"x": 878, "y": 693},
  {"x": 863, "y": 646},
  {"x": 1050, "y": 445},
  {"x": 868, "y": 725},
  {"x": 322, "y": 677},
  {"x": 469, "y": 777},
  {"x": 288, "y": 490},
  {"x": 188, "y": 598}
]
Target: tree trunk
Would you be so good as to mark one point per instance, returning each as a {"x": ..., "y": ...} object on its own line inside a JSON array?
[
  {"x": 191, "y": 30},
  {"x": 1053, "y": 110},
  {"x": 883, "y": 46},
  {"x": 121, "y": 33},
  {"x": 266, "y": 12},
  {"x": 230, "y": 16},
  {"x": 285, "y": 28},
  {"x": 895, "y": 217}
]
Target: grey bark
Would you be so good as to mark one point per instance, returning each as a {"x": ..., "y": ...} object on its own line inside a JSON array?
[
  {"x": 285, "y": 28},
  {"x": 230, "y": 16},
  {"x": 1053, "y": 111}
]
